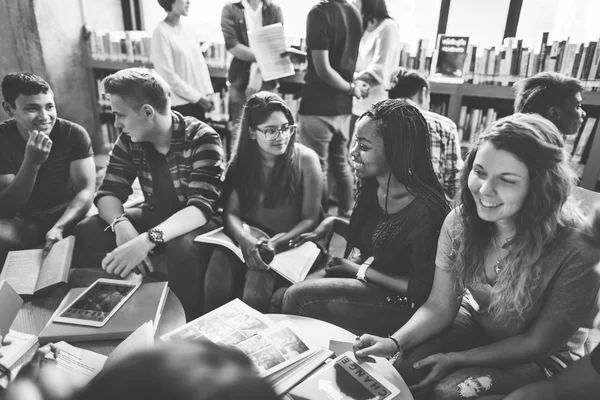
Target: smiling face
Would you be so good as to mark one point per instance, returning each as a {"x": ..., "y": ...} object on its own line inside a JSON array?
[
  {"x": 499, "y": 183},
  {"x": 277, "y": 147},
  {"x": 129, "y": 121},
  {"x": 367, "y": 153},
  {"x": 33, "y": 112},
  {"x": 181, "y": 7},
  {"x": 570, "y": 115}
]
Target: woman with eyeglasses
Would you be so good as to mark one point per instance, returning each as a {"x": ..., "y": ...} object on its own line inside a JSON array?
[{"x": 273, "y": 183}]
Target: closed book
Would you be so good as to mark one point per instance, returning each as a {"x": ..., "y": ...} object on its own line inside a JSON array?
[
  {"x": 20, "y": 349},
  {"x": 145, "y": 304},
  {"x": 10, "y": 304}
]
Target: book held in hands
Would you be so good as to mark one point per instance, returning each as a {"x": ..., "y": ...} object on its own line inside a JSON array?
[
  {"x": 28, "y": 274},
  {"x": 293, "y": 264}
]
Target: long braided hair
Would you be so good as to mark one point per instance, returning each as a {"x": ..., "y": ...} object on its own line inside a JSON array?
[
  {"x": 407, "y": 143},
  {"x": 245, "y": 172}
]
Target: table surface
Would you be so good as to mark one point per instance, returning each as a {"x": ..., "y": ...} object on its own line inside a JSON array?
[
  {"x": 36, "y": 312},
  {"x": 322, "y": 332}
]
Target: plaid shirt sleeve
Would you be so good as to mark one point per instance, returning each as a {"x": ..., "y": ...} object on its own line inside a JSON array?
[
  {"x": 453, "y": 161},
  {"x": 120, "y": 172},
  {"x": 208, "y": 167}
]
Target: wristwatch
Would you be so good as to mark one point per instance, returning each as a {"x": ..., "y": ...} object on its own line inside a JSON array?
[
  {"x": 156, "y": 236},
  {"x": 351, "y": 90},
  {"x": 361, "y": 275}
]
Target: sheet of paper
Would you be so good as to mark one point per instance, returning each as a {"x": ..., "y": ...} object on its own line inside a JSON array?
[
  {"x": 141, "y": 339},
  {"x": 21, "y": 270},
  {"x": 339, "y": 347},
  {"x": 268, "y": 43},
  {"x": 81, "y": 365}
]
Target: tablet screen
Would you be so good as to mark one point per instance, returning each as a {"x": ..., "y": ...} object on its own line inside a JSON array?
[{"x": 98, "y": 302}]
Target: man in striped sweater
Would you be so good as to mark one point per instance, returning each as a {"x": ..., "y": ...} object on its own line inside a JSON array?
[{"x": 179, "y": 164}]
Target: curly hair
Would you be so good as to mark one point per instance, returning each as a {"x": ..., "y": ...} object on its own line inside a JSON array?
[
  {"x": 406, "y": 141},
  {"x": 245, "y": 172},
  {"x": 547, "y": 207}
]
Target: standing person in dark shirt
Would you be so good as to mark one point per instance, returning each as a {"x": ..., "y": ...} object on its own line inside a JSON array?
[
  {"x": 179, "y": 163},
  {"x": 333, "y": 32},
  {"x": 47, "y": 171},
  {"x": 388, "y": 267}
]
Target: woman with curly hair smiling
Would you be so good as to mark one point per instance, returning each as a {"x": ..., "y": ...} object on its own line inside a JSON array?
[{"x": 514, "y": 284}]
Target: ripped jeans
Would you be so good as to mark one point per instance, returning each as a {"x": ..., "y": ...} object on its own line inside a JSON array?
[{"x": 466, "y": 383}]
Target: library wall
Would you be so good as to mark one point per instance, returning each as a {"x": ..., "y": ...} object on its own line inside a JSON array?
[
  {"x": 59, "y": 24},
  {"x": 20, "y": 50}
]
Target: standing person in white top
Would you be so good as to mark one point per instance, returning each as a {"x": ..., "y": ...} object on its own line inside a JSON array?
[
  {"x": 177, "y": 57},
  {"x": 378, "y": 53}
]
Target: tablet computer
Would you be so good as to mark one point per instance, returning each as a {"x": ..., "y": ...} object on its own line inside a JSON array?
[{"x": 98, "y": 303}]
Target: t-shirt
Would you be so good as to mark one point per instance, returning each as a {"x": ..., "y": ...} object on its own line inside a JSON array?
[
  {"x": 286, "y": 215},
  {"x": 166, "y": 202},
  {"x": 566, "y": 291},
  {"x": 51, "y": 191},
  {"x": 335, "y": 26},
  {"x": 411, "y": 252}
]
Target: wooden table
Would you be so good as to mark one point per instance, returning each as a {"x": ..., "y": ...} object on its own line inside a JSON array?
[
  {"x": 322, "y": 332},
  {"x": 36, "y": 312}
]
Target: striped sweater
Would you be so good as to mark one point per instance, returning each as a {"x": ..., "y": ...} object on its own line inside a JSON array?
[{"x": 195, "y": 160}]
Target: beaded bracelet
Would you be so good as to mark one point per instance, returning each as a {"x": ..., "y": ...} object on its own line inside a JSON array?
[{"x": 115, "y": 221}]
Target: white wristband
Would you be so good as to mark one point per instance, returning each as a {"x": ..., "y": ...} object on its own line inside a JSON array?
[{"x": 361, "y": 275}]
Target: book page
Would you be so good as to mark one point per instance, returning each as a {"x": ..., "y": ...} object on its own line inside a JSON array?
[
  {"x": 141, "y": 339},
  {"x": 295, "y": 263},
  {"x": 268, "y": 43},
  {"x": 275, "y": 348},
  {"x": 21, "y": 270},
  {"x": 80, "y": 365},
  {"x": 219, "y": 237},
  {"x": 229, "y": 324},
  {"x": 56, "y": 262}
]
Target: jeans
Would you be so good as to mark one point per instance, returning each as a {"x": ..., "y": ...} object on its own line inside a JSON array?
[
  {"x": 328, "y": 136},
  {"x": 348, "y": 303},
  {"x": 187, "y": 260},
  {"x": 470, "y": 382},
  {"x": 191, "y": 110},
  {"x": 225, "y": 279}
]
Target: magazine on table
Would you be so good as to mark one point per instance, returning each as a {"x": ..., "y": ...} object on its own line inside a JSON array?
[
  {"x": 293, "y": 264},
  {"x": 279, "y": 351}
]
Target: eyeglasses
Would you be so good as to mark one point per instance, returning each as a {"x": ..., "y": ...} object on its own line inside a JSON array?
[{"x": 271, "y": 134}]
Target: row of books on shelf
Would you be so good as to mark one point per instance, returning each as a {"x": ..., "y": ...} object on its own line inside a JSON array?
[
  {"x": 578, "y": 146},
  {"x": 472, "y": 122},
  {"x": 135, "y": 46},
  {"x": 506, "y": 63}
]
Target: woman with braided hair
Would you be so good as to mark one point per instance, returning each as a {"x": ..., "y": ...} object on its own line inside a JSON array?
[
  {"x": 387, "y": 270},
  {"x": 514, "y": 287}
]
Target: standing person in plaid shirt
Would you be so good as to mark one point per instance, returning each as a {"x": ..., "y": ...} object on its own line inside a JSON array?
[
  {"x": 179, "y": 163},
  {"x": 445, "y": 143}
]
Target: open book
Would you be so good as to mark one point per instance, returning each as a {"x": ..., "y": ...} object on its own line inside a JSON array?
[
  {"x": 28, "y": 275},
  {"x": 345, "y": 378},
  {"x": 293, "y": 264},
  {"x": 278, "y": 351}
]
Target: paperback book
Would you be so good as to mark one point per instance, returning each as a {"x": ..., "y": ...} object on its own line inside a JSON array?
[
  {"x": 449, "y": 59},
  {"x": 293, "y": 264}
]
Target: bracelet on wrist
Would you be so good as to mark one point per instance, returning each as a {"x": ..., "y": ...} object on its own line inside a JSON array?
[
  {"x": 115, "y": 221},
  {"x": 396, "y": 343}
]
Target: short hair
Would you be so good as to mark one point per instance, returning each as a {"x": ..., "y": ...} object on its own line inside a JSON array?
[
  {"x": 180, "y": 370},
  {"x": 374, "y": 9},
  {"x": 409, "y": 83},
  {"x": 139, "y": 86},
  {"x": 24, "y": 83},
  {"x": 538, "y": 93},
  {"x": 167, "y": 4}
]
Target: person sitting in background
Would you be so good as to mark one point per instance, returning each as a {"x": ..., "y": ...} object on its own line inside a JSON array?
[
  {"x": 514, "y": 284},
  {"x": 387, "y": 269},
  {"x": 555, "y": 97},
  {"x": 47, "y": 172},
  {"x": 445, "y": 143},
  {"x": 273, "y": 183},
  {"x": 237, "y": 18},
  {"x": 378, "y": 54},
  {"x": 175, "y": 371},
  {"x": 177, "y": 57},
  {"x": 179, "y": 164}
]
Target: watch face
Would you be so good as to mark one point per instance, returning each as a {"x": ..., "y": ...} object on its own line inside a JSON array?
[{"x": 156, "y": 236}]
